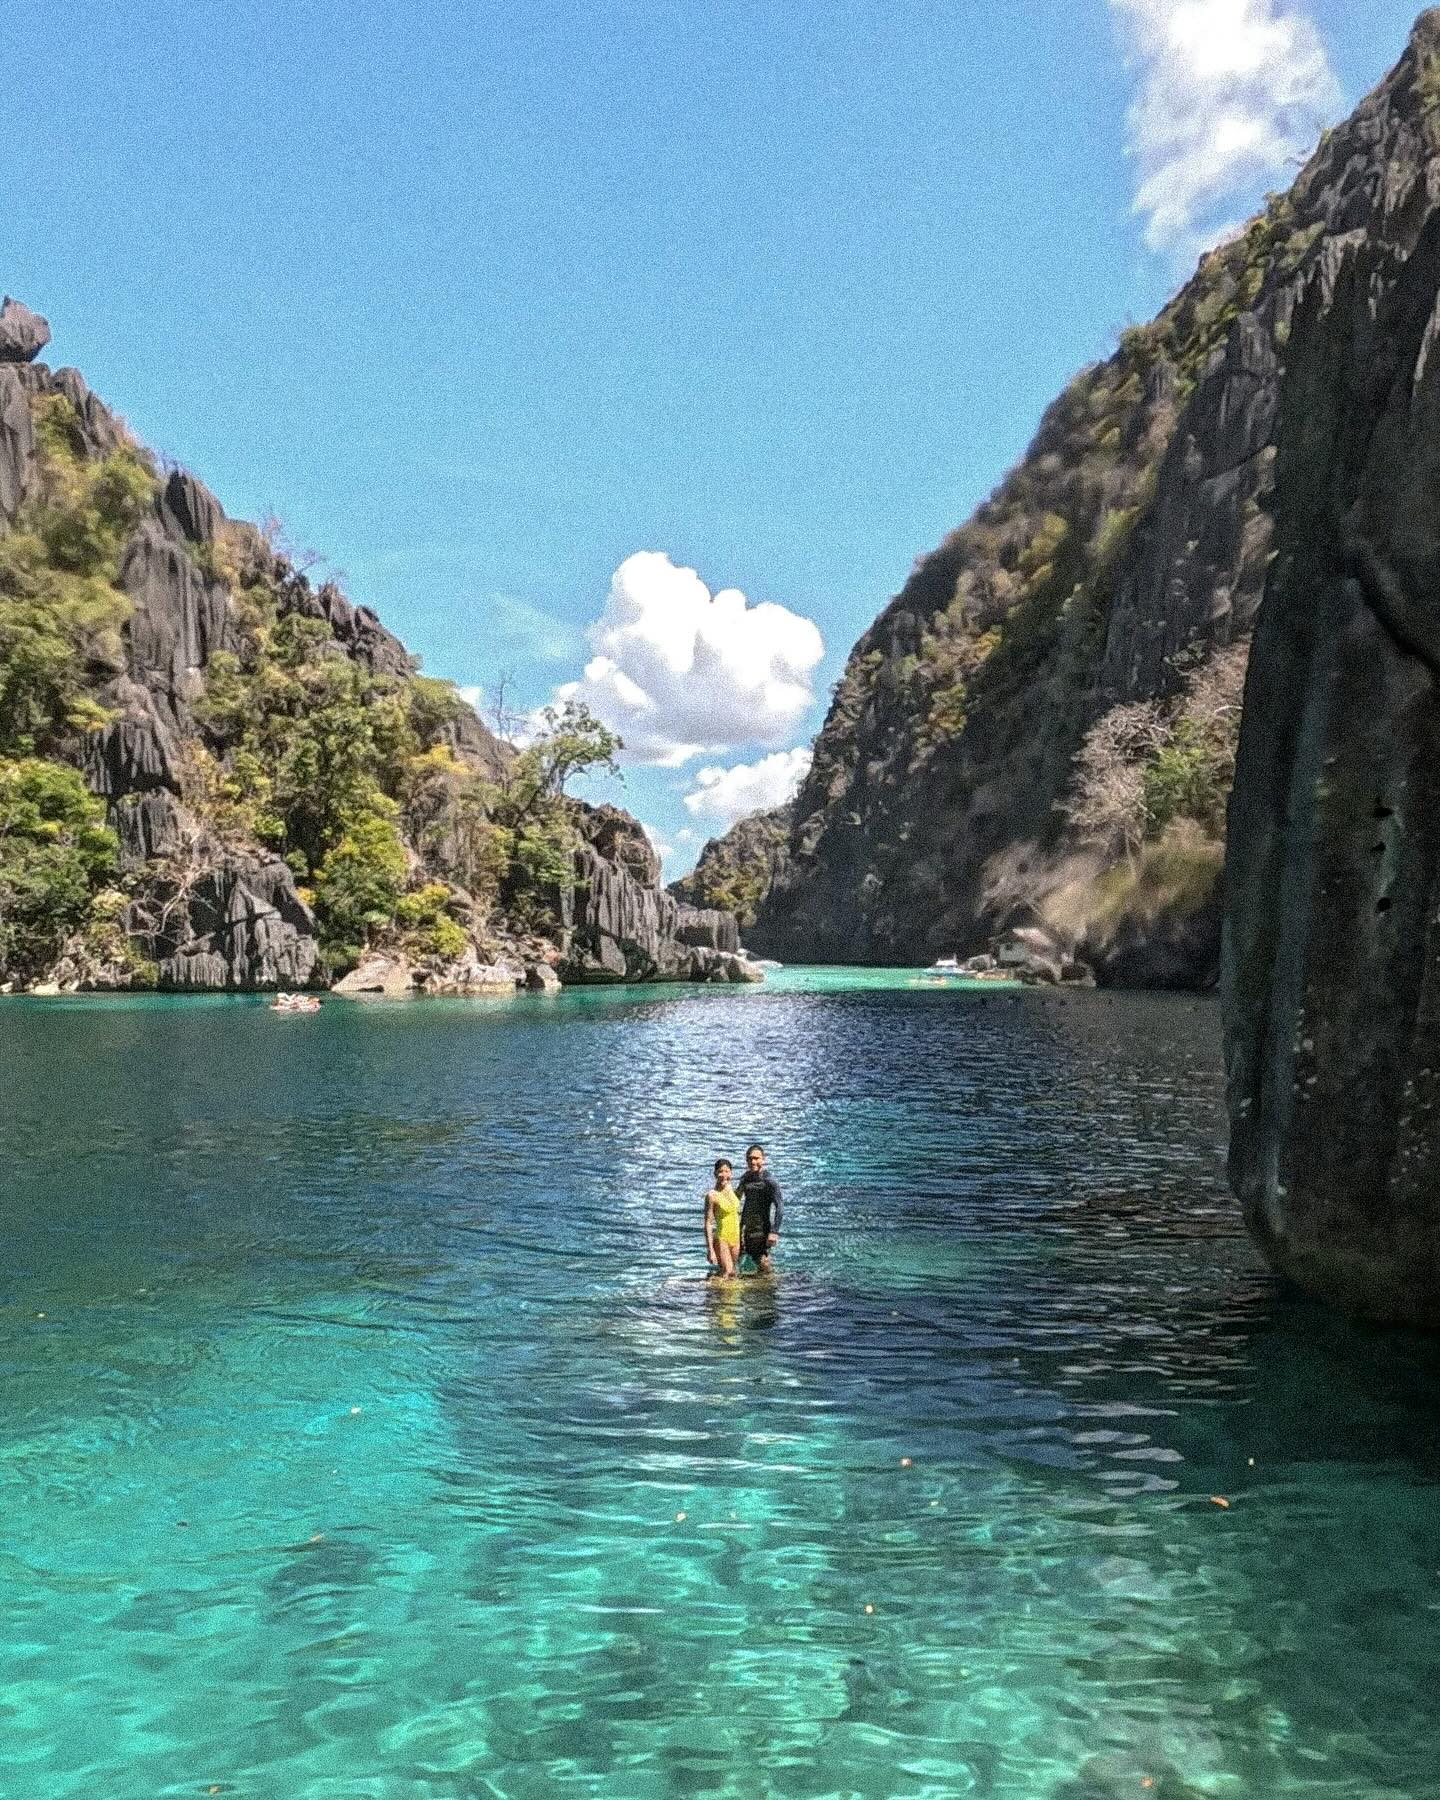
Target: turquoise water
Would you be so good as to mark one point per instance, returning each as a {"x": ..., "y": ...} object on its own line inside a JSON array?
[{"x": 370, "y": 1434}]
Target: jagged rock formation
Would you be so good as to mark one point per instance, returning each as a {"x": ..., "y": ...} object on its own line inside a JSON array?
[
  {"x": 23, "y": 334},
  {"x": 736, "y": 871},
  {"x": 619, "y": 924},
  {"x": 1333, "y": 877},
  {"x": 1109, "y": 570},
  {"x": 209, "y": 908}
]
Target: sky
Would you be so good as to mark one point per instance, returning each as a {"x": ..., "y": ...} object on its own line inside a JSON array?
[{"x": 629, "y": 351}]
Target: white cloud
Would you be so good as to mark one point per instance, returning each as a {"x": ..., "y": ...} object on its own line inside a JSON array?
[
  {"x": 472, "y": 696},
  {"x": 678, "y": 671},
  {"x": 725, "y": 795},
  {"x": 657, "y": 843},
  {"x": 1228, "y": 91}
]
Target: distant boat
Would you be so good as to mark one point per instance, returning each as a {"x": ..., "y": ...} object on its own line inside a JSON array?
[
  {"x": 766, "y": 962},
  {"x": 947, "y": 965}
]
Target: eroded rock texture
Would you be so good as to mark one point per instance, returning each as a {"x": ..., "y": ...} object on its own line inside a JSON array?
[
  {"x": 1127, "y": 552},
  {"x": 620, "y": 925},
  {"x": 1332, "y": 973},
  {"x": 212, "y": 914}
]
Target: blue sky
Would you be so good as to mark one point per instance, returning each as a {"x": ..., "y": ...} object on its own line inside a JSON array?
[{"x": 483, "y": 301}]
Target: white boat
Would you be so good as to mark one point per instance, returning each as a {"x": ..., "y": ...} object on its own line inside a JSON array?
[{"x": 947, "y": 965}]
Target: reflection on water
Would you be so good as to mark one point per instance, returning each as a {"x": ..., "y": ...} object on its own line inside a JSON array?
[{"x": 370, "y": 1428}]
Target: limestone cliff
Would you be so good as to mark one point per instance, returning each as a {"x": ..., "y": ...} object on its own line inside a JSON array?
[
  {"x": 1333, "y": 875},
  {"x": 736, "y": 871},
  {"x": 1042, "y": 722},
  {"x": 281, "y": 790}
]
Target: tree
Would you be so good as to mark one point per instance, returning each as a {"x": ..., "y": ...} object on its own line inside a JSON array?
[
  {"x": 1106, "y": 804},
  {"x": 530, "y": 806},
  {"x": 60, "y": 610},
  {"x": 358, "y": 887},
  {"x": 54, "y": 853},
  {"x": 570, "y": 742}
]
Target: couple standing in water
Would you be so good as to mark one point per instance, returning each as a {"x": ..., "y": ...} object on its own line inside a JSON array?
[{"x": 744, "y": 1220}]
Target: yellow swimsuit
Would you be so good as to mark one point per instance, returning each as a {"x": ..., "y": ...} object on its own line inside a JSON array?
[{"x": 727, "y": 1215}]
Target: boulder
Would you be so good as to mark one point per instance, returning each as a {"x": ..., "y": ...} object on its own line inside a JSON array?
[
  {"x": 540, "y": 978},
  {"x": 135, "y": 754},
  {"x": 181, "y": 616},
  {"x": 1031, "y": 953},
  {"x": 379, "y": 976},
  {"x": 100, "y": 430},
  {"x": 356, "y": 628},
  {"x": 23, "y": 334},
  {"x": 707, "y": 929},
  {"x": 619, "y": 925},
  {"x": 467, "y": 977}
]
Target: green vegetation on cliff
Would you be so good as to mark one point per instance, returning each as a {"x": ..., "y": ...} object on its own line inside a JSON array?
[
  {"x": 734, "y": 871},
  {"x": 61, "y": 614},
  {"x": 61, "y": 610},
  {"x": 56, "y": 855},
  {"x": 352, "y": 776},
  {"x": 283, "y": 728},
  {"x": 1119, "y": 565}
]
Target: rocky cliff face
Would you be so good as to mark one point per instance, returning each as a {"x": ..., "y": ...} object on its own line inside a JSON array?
[
  {"x": 620, "y": 925},
  {"x": 1333, "y": 878},
  {"x": 736, "y": 871},
  {"x": 1038, "y": 727},
  {"x": 199, "y": 903}
]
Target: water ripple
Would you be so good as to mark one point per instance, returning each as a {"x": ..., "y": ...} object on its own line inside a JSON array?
[{"x": 371, "y": 1430}]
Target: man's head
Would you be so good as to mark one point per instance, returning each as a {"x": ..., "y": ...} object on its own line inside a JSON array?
[{"x": 755, "y": 1159}]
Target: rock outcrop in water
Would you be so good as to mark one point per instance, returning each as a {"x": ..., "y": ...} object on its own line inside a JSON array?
[
  {"x": 622, "y": 926},
  {"x": 1040, "y": 728},
  {"x": 191, "y": 671},
  {"x": 1333, "y": 878}
]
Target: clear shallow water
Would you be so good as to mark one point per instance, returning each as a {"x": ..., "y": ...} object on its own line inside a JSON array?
[{"x": 357, "y": 1369}]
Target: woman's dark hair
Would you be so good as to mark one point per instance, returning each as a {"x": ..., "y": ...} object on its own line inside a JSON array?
[{"x": 723, "y": 1162}]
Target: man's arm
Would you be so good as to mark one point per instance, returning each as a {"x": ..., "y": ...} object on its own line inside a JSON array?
[{"x": 777, "y": 1207}]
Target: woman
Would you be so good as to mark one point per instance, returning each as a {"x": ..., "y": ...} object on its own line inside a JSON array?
[{"x": 722, "y": 1222}]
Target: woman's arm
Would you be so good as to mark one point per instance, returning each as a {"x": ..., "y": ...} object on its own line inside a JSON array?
[{"x": 710, "y": 1252}]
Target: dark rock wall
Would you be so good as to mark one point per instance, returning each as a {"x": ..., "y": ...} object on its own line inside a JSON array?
[
  {"x": 620, "y": 925},
  {"x": 892, "y": 837},
  {"x": 1332, "y": 968}
]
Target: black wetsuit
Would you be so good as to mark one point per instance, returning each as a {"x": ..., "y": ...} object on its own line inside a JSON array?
[{"x": 761, "y": 1210}]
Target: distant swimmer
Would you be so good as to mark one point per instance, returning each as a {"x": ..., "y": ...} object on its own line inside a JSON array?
[
  {"x": 761, "y": 1209},
  {"x": 722, "y": 1222}
]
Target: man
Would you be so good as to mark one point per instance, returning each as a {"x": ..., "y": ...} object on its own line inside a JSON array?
[{"x": 761, "y": 1209}]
